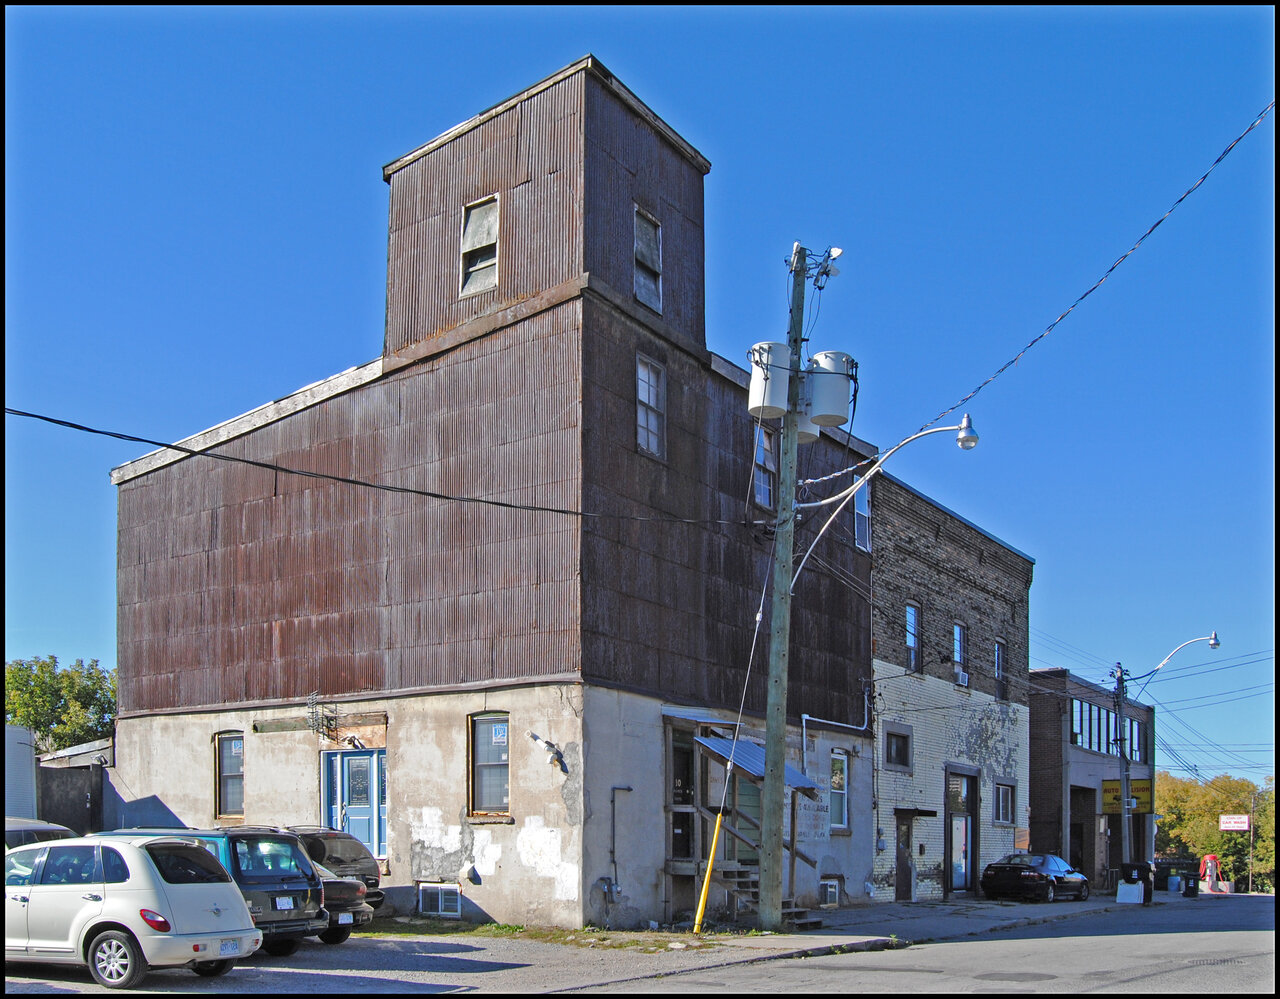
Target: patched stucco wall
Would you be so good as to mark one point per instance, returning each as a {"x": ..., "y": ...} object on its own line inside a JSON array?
[{"x": 949, "y": 726}]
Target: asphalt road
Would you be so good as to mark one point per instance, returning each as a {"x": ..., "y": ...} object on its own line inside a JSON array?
[{"x": 1224, "y": 945}]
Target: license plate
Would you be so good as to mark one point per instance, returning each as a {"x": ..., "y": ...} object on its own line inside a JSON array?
[
  {"x": 284, "y": 902},
  {"x": 344, "y": 917},
  {"x": 229, "y": 947}
]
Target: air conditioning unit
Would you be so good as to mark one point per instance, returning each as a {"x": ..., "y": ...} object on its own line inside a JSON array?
[
  {"x": 828, "y": 893},
  {"x": 440, "y": 900},
  {"x": 962, "y": 678}
]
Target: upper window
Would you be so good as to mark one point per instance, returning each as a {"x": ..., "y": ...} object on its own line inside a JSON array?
[
  {"x": 480, "y": 246},
  {"x": 862, "y": 517},
  {"x": 766, "y": 478},
  {"x": 490, "y": 765},
  {"x": 651, "y": 407},
  {"x": 897, "y": 747},
  {"x": 838, "y": 796},
  {"x": 913, "y": 637},
  {"x": 1002, "y": 674},
  {"x": 230, "y": 776},
  {"x": 960, "y": 644},
  {"x": 648, "y": 260}
]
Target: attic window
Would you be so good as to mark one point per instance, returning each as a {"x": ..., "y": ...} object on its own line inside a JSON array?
[
  {"x": 648, "y": 261},
  {"x": 480, "y": 246}
]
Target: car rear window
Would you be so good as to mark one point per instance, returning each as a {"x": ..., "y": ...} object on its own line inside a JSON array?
[
  {"x": 338, "y": 850},
  {"x": 180, "y": 864},
  {"x": 265, "y": 857},
  {"x": 1022, "y": 859}
]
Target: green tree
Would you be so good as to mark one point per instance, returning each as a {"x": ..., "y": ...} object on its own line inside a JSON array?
[
  {"x": 63, "y": 706},
  {"x": 1190, "y": 824}
]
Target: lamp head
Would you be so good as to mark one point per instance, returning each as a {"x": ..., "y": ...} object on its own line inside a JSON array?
[
  {"x": 1213, "y": 640},
  {"x": 967, "y": 438}
]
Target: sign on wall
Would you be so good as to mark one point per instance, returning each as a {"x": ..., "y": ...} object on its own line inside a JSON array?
[
  {"x": 1233, "y": 823},
  {"x": 1139, "y": 789}
]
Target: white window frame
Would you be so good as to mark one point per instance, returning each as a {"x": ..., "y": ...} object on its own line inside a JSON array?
[
  {"x": 651, "y": 407},
  {"x": 838, "y": 800},
  {"x": 911, "y": 635},
  {"x": 1005, "y": 798},
  {"x": 765, "y": 481},
  {"x": 222, "y": 776},
  {"x": 648, "y": 260},
  {"x": 960, "y": 645},
  {"x": 478, "y": 267},
  {"x": 440, "y": 901},
  {"x": 862, "y": 517}
]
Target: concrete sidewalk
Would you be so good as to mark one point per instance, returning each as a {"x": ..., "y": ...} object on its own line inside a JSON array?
[{"x": 879, "y": 926}]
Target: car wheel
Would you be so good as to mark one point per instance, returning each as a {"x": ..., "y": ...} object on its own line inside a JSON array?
[
  {"x": 116, "y": 961},
  {"x": 212, "y": 969},
  {"x": 1084, "y": 892},
  {"x": 281, "y": 948},
  {"x": 335, "y": 936},
  {"x": 1049, "y": 893}
]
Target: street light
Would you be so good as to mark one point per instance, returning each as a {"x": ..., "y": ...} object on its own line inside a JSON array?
[
  {"x": 1121, "y": 676},
  {"x": 966, "y": 440}
]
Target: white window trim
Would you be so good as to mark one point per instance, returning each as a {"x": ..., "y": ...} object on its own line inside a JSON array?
[
  {"x": 1012, "y": 788},
  {"x": 463, "y": 292},
  {"x": 660, "y": 409},
  {"x": 768, "y": 469},
  {"x": 918, "y": 665},
  {"x": 845, "y": 756}
]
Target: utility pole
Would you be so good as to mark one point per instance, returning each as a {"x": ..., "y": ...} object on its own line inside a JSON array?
[
  {"x": 1124, "y": 769},
  {"x": 773, "y": 794}
]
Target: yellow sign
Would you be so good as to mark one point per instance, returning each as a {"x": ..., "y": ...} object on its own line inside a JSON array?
[{"x": 1138, "y": 789}]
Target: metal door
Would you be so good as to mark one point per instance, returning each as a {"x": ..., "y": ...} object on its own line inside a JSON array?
[{"x": 356, "y": 792}]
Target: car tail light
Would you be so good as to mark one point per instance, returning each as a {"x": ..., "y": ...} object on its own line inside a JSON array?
[
  {"x": 1033, "y": 875},
  {"x": 322, "y": 894},
  {"x": 360, "y": 892},
  {"x": 155, "y": 920}
]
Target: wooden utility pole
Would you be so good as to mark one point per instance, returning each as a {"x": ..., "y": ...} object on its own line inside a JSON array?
[{"x": 773, "y": 794}]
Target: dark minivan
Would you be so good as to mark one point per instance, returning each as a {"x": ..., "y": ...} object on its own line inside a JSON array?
[
  {"x": 284, "y": 891},
  {"x": 345, "y": 855}
]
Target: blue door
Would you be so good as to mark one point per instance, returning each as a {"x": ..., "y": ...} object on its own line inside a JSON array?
[{"x": 356, "y": 796}]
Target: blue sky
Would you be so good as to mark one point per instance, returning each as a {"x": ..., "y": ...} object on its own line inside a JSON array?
[{"x": 195, "y": 224}]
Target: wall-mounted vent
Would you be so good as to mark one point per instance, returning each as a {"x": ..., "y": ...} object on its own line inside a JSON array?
[
  {"x": 442, "y": 901},
  {"x": 828, "y": 893}
]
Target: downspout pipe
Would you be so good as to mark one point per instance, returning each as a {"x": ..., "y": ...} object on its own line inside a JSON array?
[
  {"x": 613, "y": 826},
  {"x": 804, "y": 729}
]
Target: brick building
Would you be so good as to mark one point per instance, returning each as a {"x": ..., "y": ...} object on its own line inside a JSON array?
[
  {"x": 1074, "y": 736},
  {"x": 951, "y": 723}
]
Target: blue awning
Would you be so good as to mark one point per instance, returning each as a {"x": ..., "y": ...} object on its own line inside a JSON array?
[{"x": 749, "y": 758}]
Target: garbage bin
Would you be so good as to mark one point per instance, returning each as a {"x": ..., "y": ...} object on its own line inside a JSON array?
[
  {"x": 1140, "y": 873},
  {"x": 1192, "y": 888}
]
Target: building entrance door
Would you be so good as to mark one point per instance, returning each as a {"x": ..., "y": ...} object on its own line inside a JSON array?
[
  {"x": 962, "y": 845},
  {"x": 905, "y": 868},
  {"x": 356, "y": 796}
]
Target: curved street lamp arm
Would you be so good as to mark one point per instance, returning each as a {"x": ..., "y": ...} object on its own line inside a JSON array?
[
  {"x": 1211, "y": 638},
  {"x": 848, "y": 494}
]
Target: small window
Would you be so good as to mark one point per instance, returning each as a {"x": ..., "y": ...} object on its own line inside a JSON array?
[
  {"x": 838, "y": 796},
  {"x": 230, "y": 776},
  {"x": 1002, "y": 676},
  {"x": 648, "y": 280},
  {"x": 651, "y": 407},
  {"x": 1004, "y": 803},
  {"x": 1135, "y": 740},
  {"x": 862, "y": 517},
  {"x": 442, "y": 901},
  {"x": 766, "y": 478},
  {"x": 480, "y": 246},
  {"x": 897, "y": 750},
  {"x": 913, "y": 637},
  {"x": 960, "y": 645},
  {"x": 490, "y": 790}
]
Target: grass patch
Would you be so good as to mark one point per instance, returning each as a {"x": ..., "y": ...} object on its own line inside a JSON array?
[{"x": 645, "y": 941}]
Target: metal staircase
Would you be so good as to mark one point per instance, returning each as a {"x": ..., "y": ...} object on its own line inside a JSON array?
[{"x": 743, "y": 884}]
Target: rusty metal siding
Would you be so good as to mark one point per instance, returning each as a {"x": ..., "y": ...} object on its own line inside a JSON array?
[
  {"x": 627, "y": 165},
  {"x": 531, "y": 157},
  {"x": 240, "y": 585},
  {"x": 670, "y": 607}
]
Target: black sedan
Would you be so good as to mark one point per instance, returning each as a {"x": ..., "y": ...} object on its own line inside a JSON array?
[
  {"x": 1033, "y": 875},
  {"x": 344, "y": 900}
]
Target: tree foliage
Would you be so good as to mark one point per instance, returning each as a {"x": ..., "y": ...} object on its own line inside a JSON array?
[
  {"x": 63, "y": 705},
  {"x": 1190, "y": 824}
]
